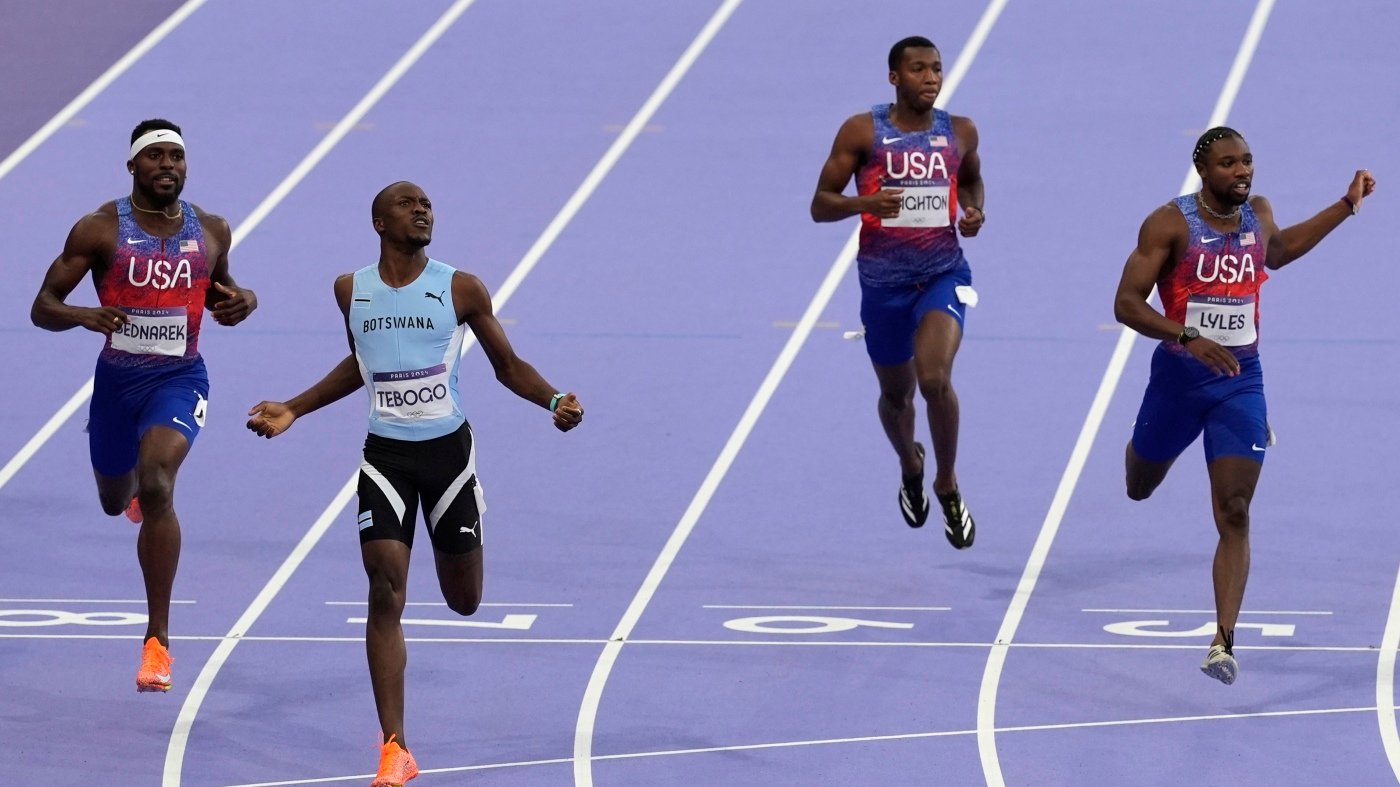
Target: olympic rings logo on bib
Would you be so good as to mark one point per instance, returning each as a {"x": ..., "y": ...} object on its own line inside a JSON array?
[{"x": 413, "y": 395}]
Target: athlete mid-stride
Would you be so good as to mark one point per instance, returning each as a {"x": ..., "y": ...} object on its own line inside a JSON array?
[
  {"x": 914, "y": 165},
  {"x": 406, "y": 318},
  {"x": 157, "y": 262},
  {"x": 1208, "y": 254}
]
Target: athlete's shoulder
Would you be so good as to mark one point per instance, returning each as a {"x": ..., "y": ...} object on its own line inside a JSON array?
[
  {"x": 98, "y": 228},
  {"x": 1261, "y": 205},
  {"x": 1165, "y": 221},
  {"x": 212, "y": 222},
  {"x": 965, "y": 130},
  {"x": 859, "y": 126}
]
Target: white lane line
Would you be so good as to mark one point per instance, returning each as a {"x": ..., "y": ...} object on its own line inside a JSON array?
[
  {"x": 359, "y": 640},
  {"x": 82, "y": 601},
  {"x": 1385, "y": 683},
  {"x": 98, "y": 85},
  {"x": 179, "y": 737},
  {"x": 593, "y": 693},
  {"x": 443, "y": 604},
  {"x": 1212, "y": 612},
  {"x": 842, "y": 741},
  {"x": 813, "y": 607},
  {"x": 996, "y": 657}
]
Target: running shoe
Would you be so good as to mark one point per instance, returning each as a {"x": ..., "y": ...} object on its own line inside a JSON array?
[
  {"x": 154, "y": 674},
  {"x": 913, "y": 503},
  {"x": 957, "y": 520},
  {"x": 133, "y": 511},
  {"x": 1220, "y": 664},
  {"x": 396, "y": 765}
]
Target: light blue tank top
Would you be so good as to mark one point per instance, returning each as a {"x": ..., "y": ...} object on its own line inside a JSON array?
[{"x": 408, "y": 343}]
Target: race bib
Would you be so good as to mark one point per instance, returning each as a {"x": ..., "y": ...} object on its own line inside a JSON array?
[
  {"x": 1225, "y": 320},
  {"x": 922, "y": 206},
  {"x": 405, "y": 397},
  {"x": 152, "y": 331}
]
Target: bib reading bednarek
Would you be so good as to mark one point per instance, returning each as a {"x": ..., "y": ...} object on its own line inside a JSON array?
[
  {"x": 153, "y": 332},
  {"x": 408, "y": 341}
]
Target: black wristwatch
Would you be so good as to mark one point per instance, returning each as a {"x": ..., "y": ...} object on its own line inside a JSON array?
[{"x": 1187, "y": 334}]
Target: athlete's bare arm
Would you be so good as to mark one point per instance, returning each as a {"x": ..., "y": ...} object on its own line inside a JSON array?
[
  {"x": 854, "y": 141},
  {"x": 1290, "y": 243},
  {"x": 971, "y": 193},
  {"x": 229, "y": 303},
  {"x": 1160, "y": 240},
  {"x": 473, "y": 305},
  {"x": 89, "y": 249},
  {"x": 269, "y": 419}
]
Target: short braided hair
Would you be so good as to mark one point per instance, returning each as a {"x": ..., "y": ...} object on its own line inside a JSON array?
[{"x": 1209, "y": 138}]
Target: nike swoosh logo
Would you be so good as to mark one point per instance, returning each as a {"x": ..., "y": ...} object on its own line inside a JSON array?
[
  {"x": 888, "y": 140},
  {"x": 182, "y": 423},
  {"x": 163, "y": 678},
  {"x": 1257, "y": 448},
  {"x": 135, "y": 241},
  {"x": 952, "y": 309},
  {"x": 1204, "y": 239}
]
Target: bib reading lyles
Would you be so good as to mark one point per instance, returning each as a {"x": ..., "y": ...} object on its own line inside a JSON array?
[
  {"x": 1225, "y": 320},
  {"x": 922, "y": 206},
  {"x": 402, "y": 397},
  {"x": 160, "y": 331}
]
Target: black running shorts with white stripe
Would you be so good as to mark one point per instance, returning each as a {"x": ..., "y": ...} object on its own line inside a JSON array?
[{"x": 397, "y": 475}]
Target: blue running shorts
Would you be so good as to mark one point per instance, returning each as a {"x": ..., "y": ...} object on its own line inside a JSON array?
[
  {"x": 891, "y": 315},
  {"x": 1184, "y": 399},
  {"x": 128, "y": 400}
]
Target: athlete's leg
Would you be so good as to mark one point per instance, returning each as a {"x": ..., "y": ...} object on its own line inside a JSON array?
[
  {"x": 386, "y": 564},
  {"x": 460, "y": 577},
  {"x": 162, "y": 450},
  {"x": 1143, "y": 476},
  {"x": 935, "y": 345},
  {"x": 115, "y": 492},
  {"x": 896, "y": 409},
  {"x": 1232, "y": 483}
]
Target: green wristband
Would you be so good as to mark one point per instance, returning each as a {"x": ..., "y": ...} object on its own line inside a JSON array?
[{"x": 554, "y": 401}]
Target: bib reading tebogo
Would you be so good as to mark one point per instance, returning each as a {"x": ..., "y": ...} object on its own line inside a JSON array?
[{"x": 407, "y": 396}]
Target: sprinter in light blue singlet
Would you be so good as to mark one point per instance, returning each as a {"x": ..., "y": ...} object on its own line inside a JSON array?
[{"x": 407, "y": 317}]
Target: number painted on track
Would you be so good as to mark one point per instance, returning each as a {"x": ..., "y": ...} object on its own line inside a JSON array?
[
  {"x": 15, "y": 618},
  {"x": 1152, "y": 628},
  {"x": 509, "y": 622},
  {"x": 805, "y": 624}
]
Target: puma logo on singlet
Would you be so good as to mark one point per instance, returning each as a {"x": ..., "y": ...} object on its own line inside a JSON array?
[{"x": 437, "y": 297}]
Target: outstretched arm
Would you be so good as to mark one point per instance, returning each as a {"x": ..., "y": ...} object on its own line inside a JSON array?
[
  {"x": 1140, "y": 274},
  {"x": 269, "y": 419},
  {"x": 81, "y": 253},
  {"x": 829, "y": 203},
  {"x": 474, "y": 308},
  {"x": 1290, "y": 243},
  {"x": 229, "y": 303}
]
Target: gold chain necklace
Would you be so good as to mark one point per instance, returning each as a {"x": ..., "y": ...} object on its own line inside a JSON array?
[{"x": 180, "y": 210}]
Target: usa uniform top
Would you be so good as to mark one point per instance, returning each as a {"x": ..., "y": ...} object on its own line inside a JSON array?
[
  {"x": 408, "y": 340},
  {"x": 1214, "y": 287},
  {"x": 921, "y": 242},
  {"x": 161, "y": 284}
]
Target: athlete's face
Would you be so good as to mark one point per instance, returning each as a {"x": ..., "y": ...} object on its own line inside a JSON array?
[
  {"x": 919, "y": 77},
  {"x": 158, "y": 172},
  {"x": 1227, "y": 170},
  {"x": 407, "y": 216}
]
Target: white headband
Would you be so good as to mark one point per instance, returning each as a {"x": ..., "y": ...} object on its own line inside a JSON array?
[{"x": 152, "y": 137}]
